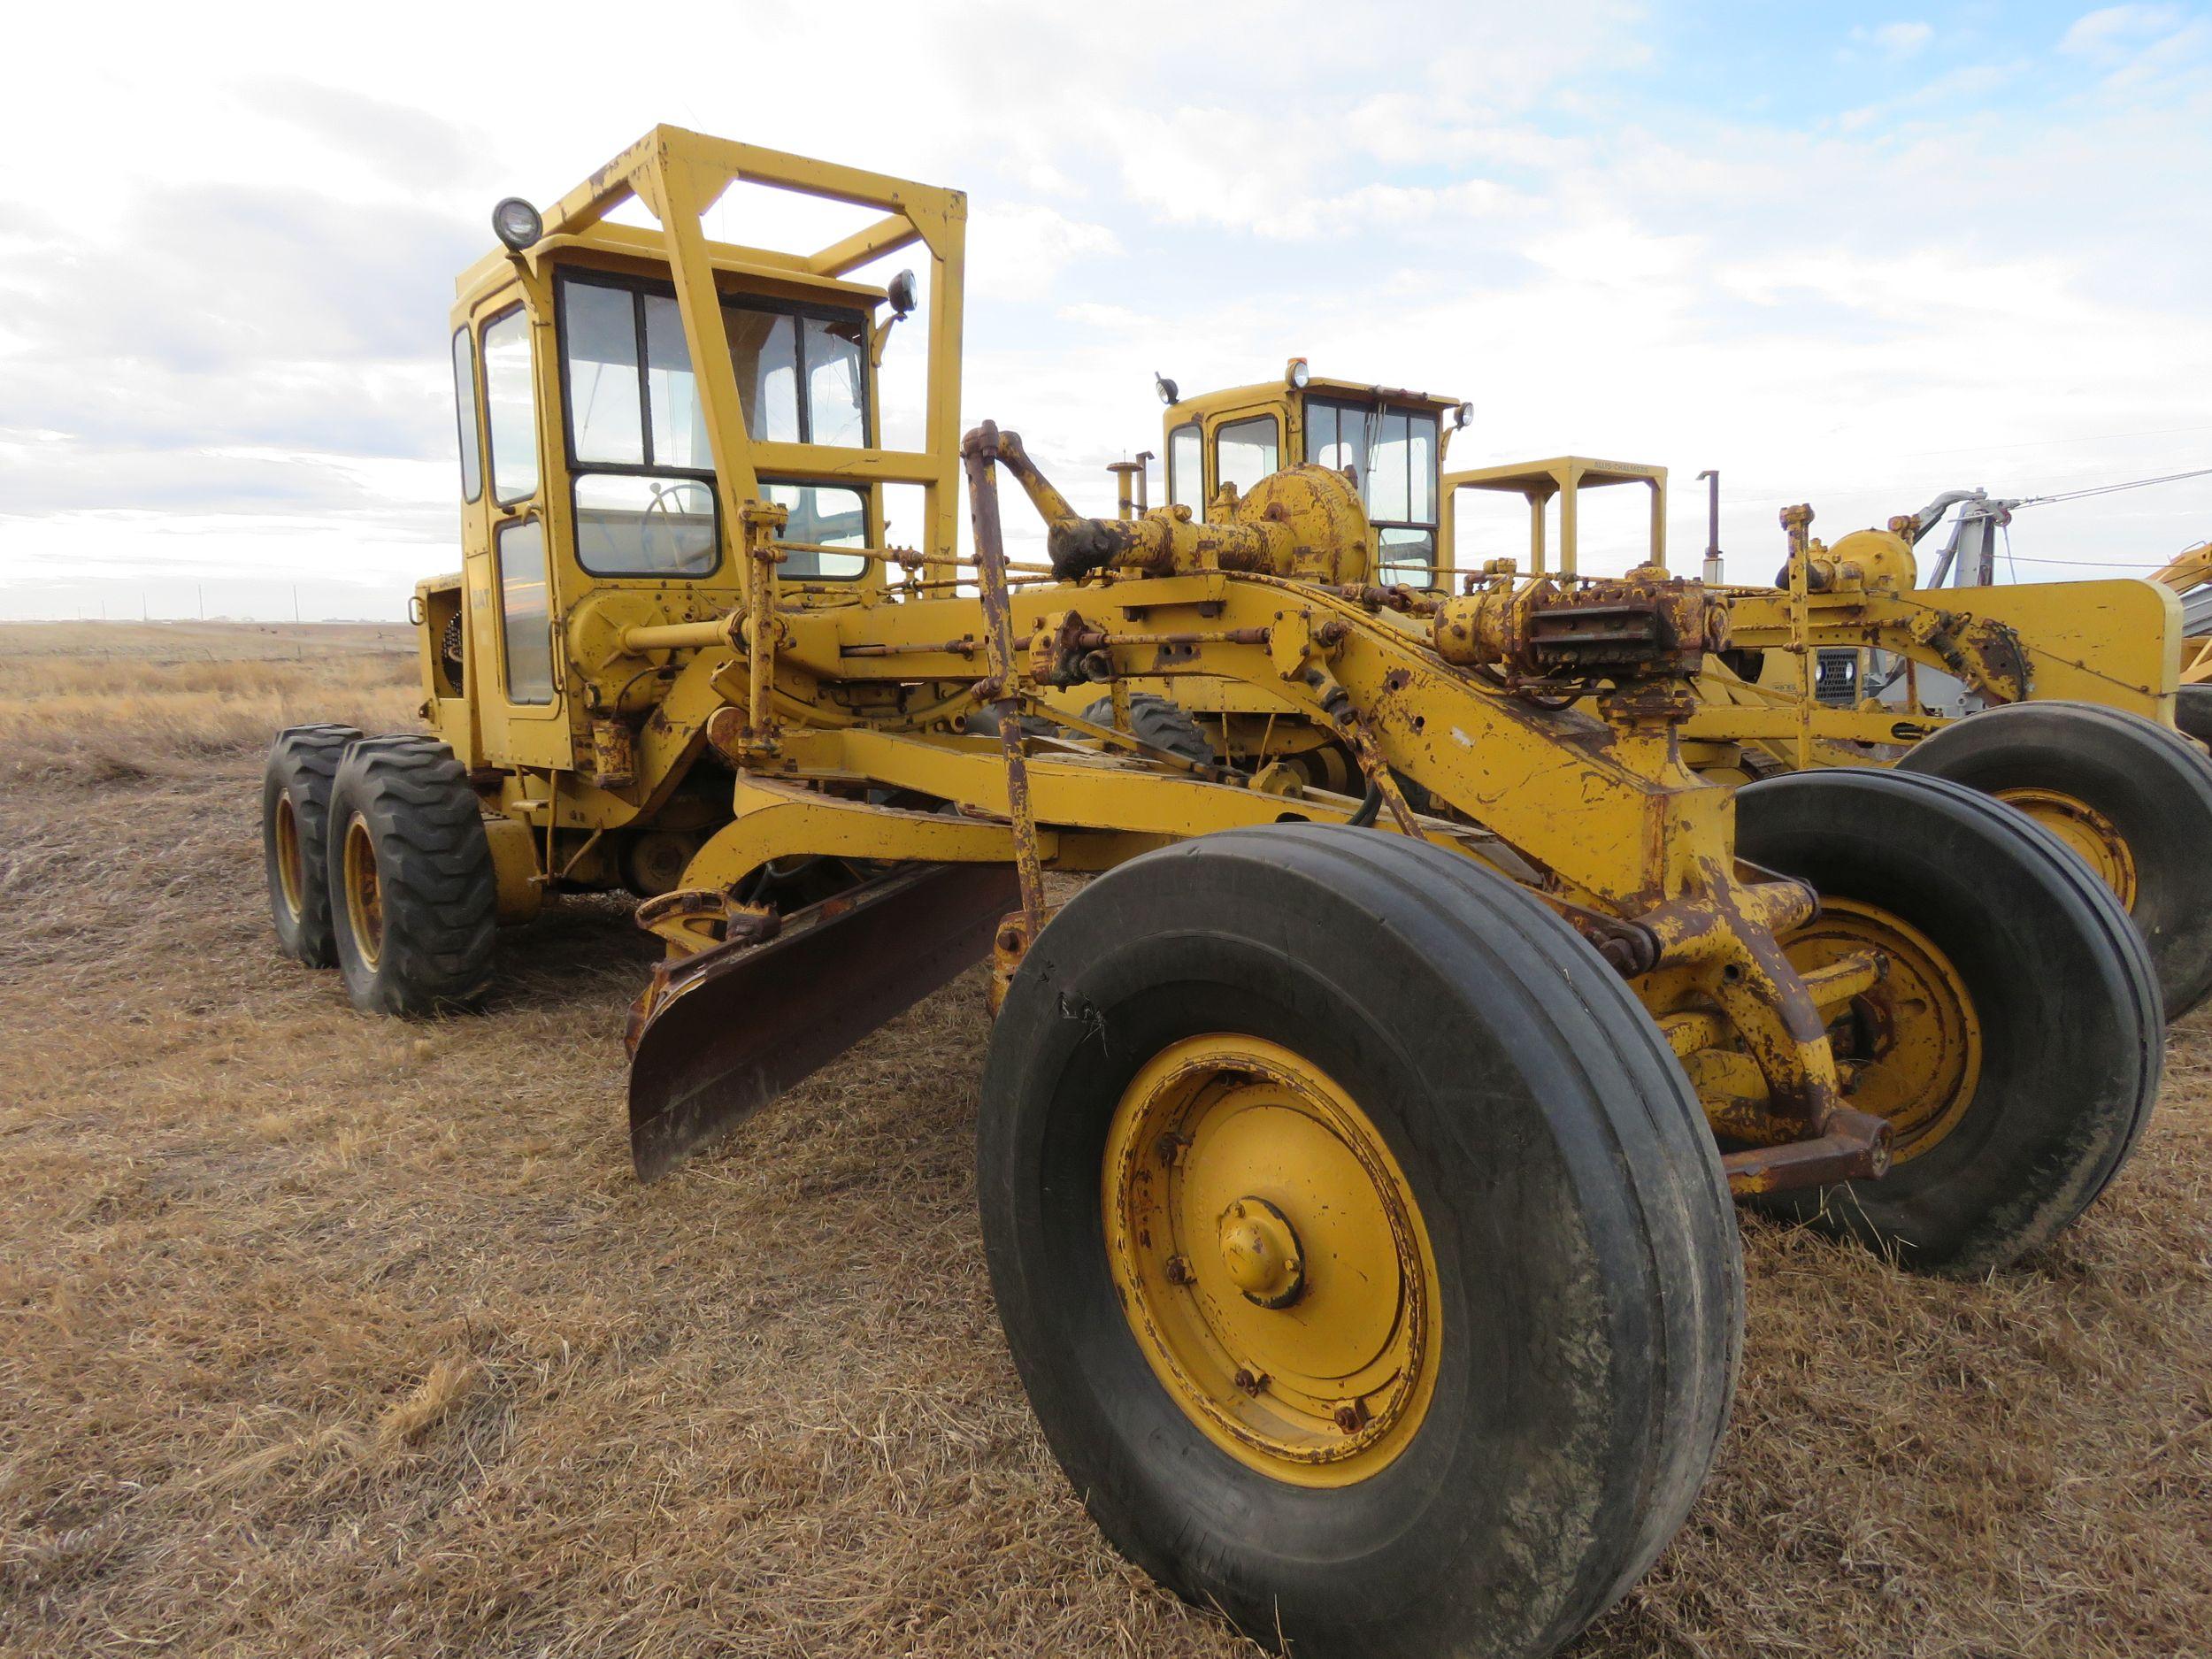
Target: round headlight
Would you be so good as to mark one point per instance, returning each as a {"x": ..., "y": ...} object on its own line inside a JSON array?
[
  {"x": 902, "y": 293},
  {"x": 1164, "y": 386},
  {"x": 1297, "y": 374},
  {"x": 516, "y": 223},
  {"x": 1462, "y": 415}
]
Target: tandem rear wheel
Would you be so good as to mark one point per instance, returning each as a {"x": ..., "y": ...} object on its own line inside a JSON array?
[
  {"x": 295, "y": 830},
  {"x": 413, "y": 897},
  {"x": 1359, "y": 1241}
]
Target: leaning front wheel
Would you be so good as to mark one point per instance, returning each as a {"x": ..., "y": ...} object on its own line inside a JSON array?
[
  {"x": 2126, "y": 796},
  {"x": 1359, "y": 1241},
  {"x": 2014, "y": 1043}
]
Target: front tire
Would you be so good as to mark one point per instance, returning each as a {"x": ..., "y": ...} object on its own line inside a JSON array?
[
  {"x": 2123, "y": 793},
  {"x": 414, "y": 898},
  {"x": 2014, "y": 1045},
  {"x": 1454, "y": 1310},
  {"x": 294, "y": 829}
]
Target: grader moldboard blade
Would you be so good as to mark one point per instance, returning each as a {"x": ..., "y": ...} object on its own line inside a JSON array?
[{"x": 724, "y": 1032}]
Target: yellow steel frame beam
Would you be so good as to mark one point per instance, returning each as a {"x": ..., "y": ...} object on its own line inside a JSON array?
[
  {"x": 2113, "y": 642},
  {"x": 678, "y": 175},
  {"x": 1641, "y": 821},
  {"x": 1565, "y": 476}
]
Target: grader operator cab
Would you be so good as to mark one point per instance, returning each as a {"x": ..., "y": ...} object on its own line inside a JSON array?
[
  {"x": 1392, "y": 442},
  {"x": 1355, "y": 1200}
]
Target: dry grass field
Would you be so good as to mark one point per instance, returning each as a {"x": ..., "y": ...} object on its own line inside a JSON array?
[{"x": 328, "y": 1335}]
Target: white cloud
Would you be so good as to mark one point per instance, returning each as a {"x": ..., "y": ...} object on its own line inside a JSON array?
[
  {"x": 227, "y": 356},
  {"x": 2112, "y": 32},
  {"x": 1017, "y": 251},
  {"x": 1896, "y": 41}
]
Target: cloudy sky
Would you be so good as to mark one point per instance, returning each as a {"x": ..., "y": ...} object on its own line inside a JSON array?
[{"x": 1847, "y": 256}]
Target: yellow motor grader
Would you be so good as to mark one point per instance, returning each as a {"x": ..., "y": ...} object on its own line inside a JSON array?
[
  {"x": 2075, "y": 682},
  {"x": 1354, "y": 1168}
]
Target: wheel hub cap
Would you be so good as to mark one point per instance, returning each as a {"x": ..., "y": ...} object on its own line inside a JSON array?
[
  {"x": 1912, "y": 1046},
  {"x": 291, "y": 870},
  {"x": 364, "y": 893},
  {"x": 1260, "y": 1252},
  {"x": 1271, "y": 1260},
  {"x": 2089, "y": 832}
]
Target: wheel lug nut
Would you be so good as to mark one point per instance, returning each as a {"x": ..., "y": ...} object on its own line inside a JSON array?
[
  {"x": 1351, "y": 1417},
  {"x": 1251, "y": 1381},
  {"x": 1178, "y": 1270}
]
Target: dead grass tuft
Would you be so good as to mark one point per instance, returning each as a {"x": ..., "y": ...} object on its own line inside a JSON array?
[{"x": 329, "y": 1336}]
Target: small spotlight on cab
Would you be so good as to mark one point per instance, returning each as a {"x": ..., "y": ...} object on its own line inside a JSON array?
[
  {"x": 517, "y": 223},
  {"x": 1165, "y": 388},
  {"x": 1297, "y": 374}
]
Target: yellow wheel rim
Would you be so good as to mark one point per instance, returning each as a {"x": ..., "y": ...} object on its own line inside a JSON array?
[
  {"x": 1271, "y": 1260},
  {"x": 364, "y": 894},
  {"x": 2087, "y": 831},
  {"x": 1912, "y": 1045},
  {"x": 291, "y": 873}
]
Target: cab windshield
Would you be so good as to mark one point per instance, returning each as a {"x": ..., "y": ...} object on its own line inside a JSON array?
[
  {"x": 637, "y": 437},
  {"x": 1392, "y": 453}
]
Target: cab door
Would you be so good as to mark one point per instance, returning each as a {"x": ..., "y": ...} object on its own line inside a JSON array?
[{"x": 509, "y": 580}]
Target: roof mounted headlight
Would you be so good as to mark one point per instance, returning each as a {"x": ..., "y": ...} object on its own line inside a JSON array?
[
  {"x": 1296, "y": 374},
  {"x": 1165, "y": 388},
  {"x": 1462, "y": 416},
  {"x": 902, "y": 294},
  {"x": 516, "y": 223}
]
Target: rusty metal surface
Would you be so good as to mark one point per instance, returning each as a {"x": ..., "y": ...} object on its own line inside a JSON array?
[
  {"x": 722, "y": 1033},
  {"x": 1854, "y": 1146},
  {"x": 978, "y": 452},
  {"x": 1646, "y": 624}
]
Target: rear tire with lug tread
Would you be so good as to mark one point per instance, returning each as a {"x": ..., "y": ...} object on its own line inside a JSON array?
[
  {"x": 2015, "y": 1047},
  {"x": 413, "y": 893},
  {"x": 2125, "y": 793},
  {"x": 1159, "y": 722},
  {"x": 1350, "y": 1074},
  {"x": 295, "y": 832}
]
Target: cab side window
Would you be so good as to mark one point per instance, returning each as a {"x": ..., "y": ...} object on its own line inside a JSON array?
[
  {"x": 1246, "y": 451},
  {"x": 509, "y": 401},
  {"x": 1186, "y": 485},
  {"x": 526, "y": 614},
  {"x": 465, "y": 411}
]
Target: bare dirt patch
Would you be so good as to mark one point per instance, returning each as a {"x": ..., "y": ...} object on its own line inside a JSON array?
[{"x": 329, "y": 1335}]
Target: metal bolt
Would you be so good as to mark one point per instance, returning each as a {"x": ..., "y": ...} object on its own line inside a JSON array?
[
  {"x": 1170, "y": 1146},
  {"x": 1351, "y": 1417},
  {"x": 1178, "y": 1270},
  {"x": 1251, "y": 1381}
]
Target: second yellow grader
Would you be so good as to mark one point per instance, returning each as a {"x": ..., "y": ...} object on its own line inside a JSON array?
[
  {"x": 2077, "y": 687},
  {"x": 1354, "y": 1164}
]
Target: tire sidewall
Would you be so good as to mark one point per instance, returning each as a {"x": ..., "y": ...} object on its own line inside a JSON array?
[
  {"x": 2056, "y": 981},
  {"x": 309, "y": 937},
  {"x": 2155, "y": 786},
  {"x": 1470, "y": 1526},
  {"x": 364, "y": 984}
]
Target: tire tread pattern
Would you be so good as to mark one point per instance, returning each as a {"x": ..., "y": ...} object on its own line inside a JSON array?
[
  {"x": 303, "y": 762},
  {"x": 434, "y": 864}
]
